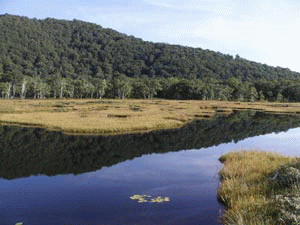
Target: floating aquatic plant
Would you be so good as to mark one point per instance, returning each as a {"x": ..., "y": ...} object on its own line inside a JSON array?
[
  {"x": 160, "y": 199},
  {"x": 149, "y": 198}
]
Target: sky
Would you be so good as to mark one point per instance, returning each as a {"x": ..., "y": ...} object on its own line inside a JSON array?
[{"x": 265, "y": 31}]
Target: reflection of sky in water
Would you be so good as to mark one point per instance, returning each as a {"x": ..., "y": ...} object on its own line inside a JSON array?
[
  {"x": 287, "y": 143},
  {"x": 188, "y": 177}
]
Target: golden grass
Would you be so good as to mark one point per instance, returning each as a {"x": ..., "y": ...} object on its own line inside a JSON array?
[
  {"x": 91, "y": 116},
  {"x": 245, "y": 189}
]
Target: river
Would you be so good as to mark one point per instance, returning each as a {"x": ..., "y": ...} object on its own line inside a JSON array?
[{"x": 51, "y": 178}]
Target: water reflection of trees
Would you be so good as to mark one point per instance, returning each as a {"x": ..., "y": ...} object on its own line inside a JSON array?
[{"x": 32, "y": 151}]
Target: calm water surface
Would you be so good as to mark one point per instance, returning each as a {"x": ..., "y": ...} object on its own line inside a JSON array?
[{"x": 188, "y": 177}]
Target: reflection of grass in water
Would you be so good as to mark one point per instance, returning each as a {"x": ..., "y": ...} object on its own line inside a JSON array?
[
  {"x": 148, "y": 198},
  {"x": 246, "y": 188},
  {"x": 118, "y": 116}
]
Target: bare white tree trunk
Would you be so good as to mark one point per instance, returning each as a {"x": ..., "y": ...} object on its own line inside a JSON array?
[
  {"x": 23, "y": 91},
  {"x": 8, "y": 91},
  {"x": 61, "y": 91}
]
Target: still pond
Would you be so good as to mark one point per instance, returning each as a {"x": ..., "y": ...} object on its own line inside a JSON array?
[{"x": 51, "y": 178}]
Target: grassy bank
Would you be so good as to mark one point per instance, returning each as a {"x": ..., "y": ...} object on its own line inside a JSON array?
[
  {"x": 259, "y": 188},
  {"x": 108, "y": 116}
]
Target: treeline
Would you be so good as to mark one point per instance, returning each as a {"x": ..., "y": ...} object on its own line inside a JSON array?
[
  {"x": 145, "y": 87},
  {"x": 58, "y": 58}
]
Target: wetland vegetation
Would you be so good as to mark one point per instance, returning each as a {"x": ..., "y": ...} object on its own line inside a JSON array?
[
  {"x": 260, "y": 188},
  {"x": 59, "y": 59},
  {"x": 28, "y": 151},
  {"x": 112, "y": 116}
]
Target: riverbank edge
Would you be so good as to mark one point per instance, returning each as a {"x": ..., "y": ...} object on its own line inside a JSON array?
[
  {"x": 66, "y": 132},
  {"x": 254, "y": 188},
  {"x": 205, "y": 110},
  {"x": 126, "y": 132}
]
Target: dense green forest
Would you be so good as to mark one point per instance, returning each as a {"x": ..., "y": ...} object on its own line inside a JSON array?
[{"x": 76, "y": 59}]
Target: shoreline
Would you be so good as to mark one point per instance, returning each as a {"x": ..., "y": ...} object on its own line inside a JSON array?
[
  {"x": 88, "y": 134},
  {"x": 257, "y": 187},
  {"x": 129, "y": 116}
]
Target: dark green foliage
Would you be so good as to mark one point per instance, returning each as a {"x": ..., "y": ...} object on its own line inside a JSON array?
[{"x": 62, "y": 58}]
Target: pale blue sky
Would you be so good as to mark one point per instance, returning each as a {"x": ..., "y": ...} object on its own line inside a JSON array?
[{"x": 260, "y": 30}]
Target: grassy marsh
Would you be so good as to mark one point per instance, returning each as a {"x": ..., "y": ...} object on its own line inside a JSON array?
[
  {"x": 247, "y": 188},
  {"x": 109, "y": 116}
]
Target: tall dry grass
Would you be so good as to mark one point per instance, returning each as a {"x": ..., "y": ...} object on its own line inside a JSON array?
[
  {"x": 246, "y": 188},
  {"x": 110, "y": 116}
]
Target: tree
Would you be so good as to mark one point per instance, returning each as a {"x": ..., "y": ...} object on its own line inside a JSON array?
[
  {"x": 210, "y": 88},
  {"x": 181, "y": 90},
  {"x": 147, "y": 87},
  {"x": 154, "y": 86},
  {"x": 69, "y": 87},
  {"x": 99, "y": 73},
  {"x": 62, "y": 85},
  {"x": 235, "y": 83},
  {"x": 91, "y": 89},
  {"x": 123, "y": 86},
  {"x": 25, "y": 81},
  {"x": 81, "y": 88},
  {"x": 198, "y": 88},
  {"x": 166, "y": 83},
  {"x": 270, "y": 95},
  {"x": 224, "y": 92},
  {"x": 138, "y": 88},
  {"x": 39, "y": 87},
  {"x": 279, "y": 97},
  {"x": 55, "y": 50},
  {"x": 108, "y": 70},
  {"x": 261, "y": 96},
  {"x": 7, "y": 89},
  {"x": 100, "y": 86},
  {"x": 3, "y": 89},
  {"x": 253, "y": 94},
  {"x": 43, "y": 89}
]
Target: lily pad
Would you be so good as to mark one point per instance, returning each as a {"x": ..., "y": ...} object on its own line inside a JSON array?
[{"x": 149, "y": 198}]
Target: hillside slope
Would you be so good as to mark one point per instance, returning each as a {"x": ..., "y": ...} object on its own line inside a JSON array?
[
  {"x": 59, "y": 58},
  {"x": 74, "y": 48}
]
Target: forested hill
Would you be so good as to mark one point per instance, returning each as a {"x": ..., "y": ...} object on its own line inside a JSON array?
[
  {"x": 58, "y": 49},
  {"x": 76, "y": 48}
]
